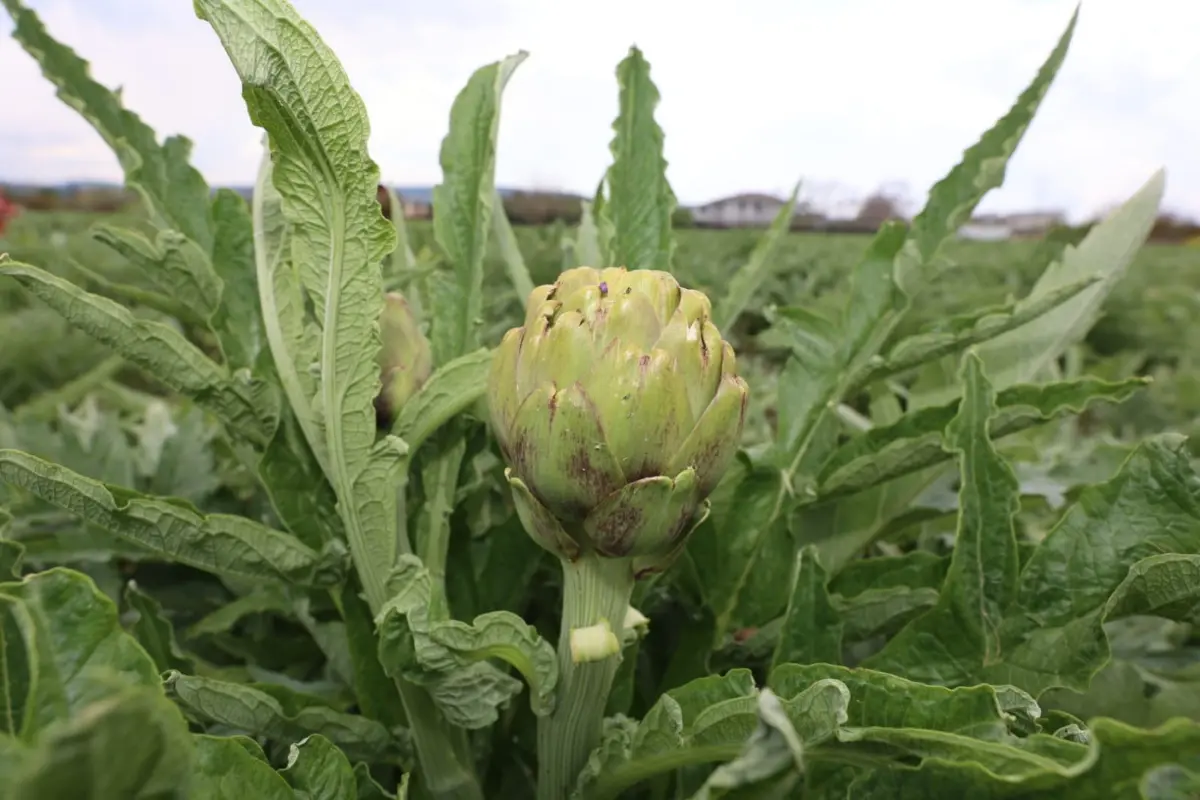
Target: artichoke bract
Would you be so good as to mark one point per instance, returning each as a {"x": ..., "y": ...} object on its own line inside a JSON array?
[
  {"x": 405, "y": 360},
  {"x": 618, "y": 408}
]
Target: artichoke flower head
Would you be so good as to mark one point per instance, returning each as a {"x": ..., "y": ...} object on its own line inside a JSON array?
[
  {"x": 618, "y": 408},
  {"x": 405, "y": 359}
]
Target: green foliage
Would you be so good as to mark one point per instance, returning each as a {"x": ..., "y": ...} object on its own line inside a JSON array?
[{"x": 958, "y": 553}]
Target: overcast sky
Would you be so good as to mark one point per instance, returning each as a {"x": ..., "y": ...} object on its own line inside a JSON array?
[{"x": 849, "y": 93}]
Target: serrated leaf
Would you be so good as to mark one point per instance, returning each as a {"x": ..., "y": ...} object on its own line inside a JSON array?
[
  {"x": 982, "y": 326},
  {"x": 159, "y": 350},
  {"x": 962, "y": 634},
  {"x": 293, "y": 339},
  {"x": 173, "y": 263},
  {"x": 276, "y": 713},
  {"x": 234, "y": 768},
  {"x": 450, "y": 390},
  {"x": 640, "y": 202},
  {"x": 319, "y": 770},
  {"x": 1107, "y": 558},
  {"x": 914, "y": 442},
  {"x": 758, "y": 268},
  {"x": 812, "y": 627},
  {"x": 899, "y": 262},
  {"x": 462, "y": 202},
  {"x": 297, "y": 91},
  {"x": 1107, "y": 251},
  {"x": 218, "y": 543},
  {"x": 174, "y": 191}
]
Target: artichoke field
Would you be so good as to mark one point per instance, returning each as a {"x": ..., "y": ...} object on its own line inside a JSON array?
[{"x": 343, "y": 518}]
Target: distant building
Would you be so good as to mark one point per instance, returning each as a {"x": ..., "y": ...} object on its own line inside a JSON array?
[
  {"x": 995, "y": 227},
  {"x": 739, "y": 211}
]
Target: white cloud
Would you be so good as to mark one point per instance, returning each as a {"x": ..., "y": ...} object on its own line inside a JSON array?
[{"x": 859, "y": 92}]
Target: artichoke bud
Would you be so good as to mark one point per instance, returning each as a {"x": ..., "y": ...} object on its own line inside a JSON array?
[
  {"x": 618, "y": 408},
  {"x": 405, "y": 360}
]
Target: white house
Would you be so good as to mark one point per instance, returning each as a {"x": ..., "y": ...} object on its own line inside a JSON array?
[
  {"x": 992, "y": 227},
  {"x": 740, "y": 210}
]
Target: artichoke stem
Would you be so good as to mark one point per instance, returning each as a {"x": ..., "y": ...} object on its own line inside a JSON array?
[{"x": 595, "y": 589}]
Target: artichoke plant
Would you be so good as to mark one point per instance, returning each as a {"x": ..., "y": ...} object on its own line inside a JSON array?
[
  {"x": 618, "y": 407},
  {"x": 405, "y": 360}
]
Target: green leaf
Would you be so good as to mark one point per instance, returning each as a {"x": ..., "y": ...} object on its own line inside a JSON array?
[
  {"x": 294, "y": 341},
  {"x": 877, "y": 699},
  {"x": 858, "y": 520},
  {"x": 980, "y": 327},
  {"x": 298, "y": 489},
  {"x": 962, "y": 634},
  {"x": 446, "y": 653},
  {"x": 724, "y": 550},
  {"x": 64, "y": 649},
  {"x": 297, "y": 91},
  {"x": 439, "y": 480},
  {"x": 812, "y": 627},
  {"x": 771, "y": 762},
  {"x": 746, "y": 281},
  {"x": 234, "y": 768},
  {"x": 158, "y": 349},
  {"x": 881, "y": 611},
  {"x": 1107, "y": 251},
  {"x": 706, "y": 720},
  {"x": 218, "y": 543},
  {"x": 174, "y": 192},
  {"x": 153, "y": 630},
  {"x": 238, "y": 320},
  {"x": 915, "y": 569},
  {"x": 640, "y": 201},
  {"x": 319, "y": 770},
  {"x": 463, "y": 202},
  {"x": 375, "y": 691},
  {"x": 899, "y": 263},
  {"x": 173, "y": 263},
  {"x": 263, "y": 599},
  {"x": 132, "y": 744},
  {"x": 914, "y": 442},
  {"x": 510, "y": 251},
  {"x": 1107, "y": 558},
  {"x": 276, "y": 713},
  {"x": 452, "y": 389}
]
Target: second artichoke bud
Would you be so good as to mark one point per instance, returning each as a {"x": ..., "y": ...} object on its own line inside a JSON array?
[
  {"x": 405, "y": 360},
  {"x": 618, "y": 408}
]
